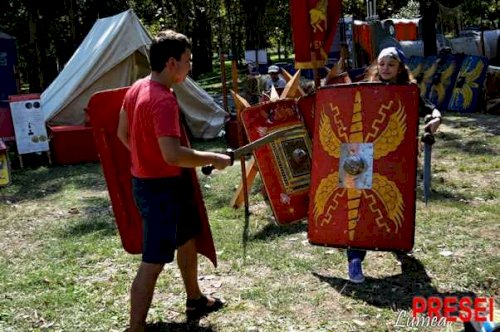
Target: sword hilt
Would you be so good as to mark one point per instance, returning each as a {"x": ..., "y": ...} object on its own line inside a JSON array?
[
  {"x": 207, "y": 170},
  {"x": 427, "y": 136}
]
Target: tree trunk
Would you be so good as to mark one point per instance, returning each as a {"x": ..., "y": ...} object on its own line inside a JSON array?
[
  {"x": 182, "y": 9},
  {"x": 429, "y": 11},
  {"x": 202, "y": 43},
  {"x": 35, "y": 77},
  {"x": 254, "y": 12}
]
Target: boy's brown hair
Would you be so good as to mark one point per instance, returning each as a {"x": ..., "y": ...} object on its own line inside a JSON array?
[{"x": 167, "y": 44}]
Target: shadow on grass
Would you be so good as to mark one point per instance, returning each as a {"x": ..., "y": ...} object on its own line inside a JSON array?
[
  {"x": 457, "y": 142},
  {"x": 178, "y": 327},
  {"x": 487, "y": 123},
  {"x": 94, "y": 217},
  {"x": 86, "y": 226},
  {"x": 36, "y": 183},
  {"x": 395, "y": 292},
  {"x": 271, "y": 231},
  {"x": 440, "y": 193}
]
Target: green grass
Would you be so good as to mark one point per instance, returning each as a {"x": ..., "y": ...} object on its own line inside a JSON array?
[{"x": 62, "y": 267}]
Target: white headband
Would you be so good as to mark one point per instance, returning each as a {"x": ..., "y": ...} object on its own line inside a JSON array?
[{"x": 390, "y": 52}]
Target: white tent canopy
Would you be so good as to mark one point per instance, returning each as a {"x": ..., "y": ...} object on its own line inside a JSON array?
[{"x": 112, "y": 55}]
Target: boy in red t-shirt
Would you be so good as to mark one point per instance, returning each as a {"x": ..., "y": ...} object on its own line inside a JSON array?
[{"x": 149, "y": 125}]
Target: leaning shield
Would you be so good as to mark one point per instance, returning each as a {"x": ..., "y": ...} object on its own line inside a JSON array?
[
  {"x": 443, "y": 80},
  {"x": 364, "y": 167},
  {"x": 285, "y": 164},
  {"x": 469, "y": 84},
  {"x": 423, "y": 69}
]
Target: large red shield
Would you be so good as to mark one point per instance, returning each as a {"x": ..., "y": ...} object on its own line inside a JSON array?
[
  {"x": 103, "y": 110},
  {"x": 364, "y": 167},
  {"x": 284, "y": 164}
]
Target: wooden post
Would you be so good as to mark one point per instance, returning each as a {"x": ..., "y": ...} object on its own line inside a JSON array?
[
  {"x": 223, "y": 78},
  {"x": 292, "y": 88},
  {"x": 234, "y": 75},
  {"x": 238, "y": 198},
  {"x": 316, "y": 78},
  {"x": 240, "y": 104}
]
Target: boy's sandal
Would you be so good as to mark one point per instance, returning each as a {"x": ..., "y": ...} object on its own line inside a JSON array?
[{"x": 195, "y": 309}]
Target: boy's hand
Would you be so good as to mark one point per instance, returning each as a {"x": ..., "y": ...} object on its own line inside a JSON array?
[{"x": 221, "y": 161}]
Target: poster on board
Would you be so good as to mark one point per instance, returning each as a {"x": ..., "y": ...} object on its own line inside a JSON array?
[
  {"x": 29, "y": 123},
  {"x": 4, "y": 165}
]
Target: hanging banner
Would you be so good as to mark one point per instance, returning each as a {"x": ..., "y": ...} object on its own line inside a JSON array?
[
  {"x": 314, "y": 23},
  {"x": 29, "y": 123}
]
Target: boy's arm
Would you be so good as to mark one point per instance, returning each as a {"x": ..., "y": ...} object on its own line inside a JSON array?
[
  {"x": 122, "y": 131},
  {"x": 177, "y": 155}
]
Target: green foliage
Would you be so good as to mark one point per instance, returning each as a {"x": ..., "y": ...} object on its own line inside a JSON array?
[
  {"x": 411, "y": 10},
  {"x": 48, "y": 32},
  {"x": 355, "y": 8}
]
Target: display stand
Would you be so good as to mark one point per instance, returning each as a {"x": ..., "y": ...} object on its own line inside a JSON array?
[{"x": 29, "y": 125}]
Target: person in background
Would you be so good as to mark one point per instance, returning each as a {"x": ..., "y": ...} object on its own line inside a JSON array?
[
  {"x": 390, "y": 68},
  {"x": 274, "y": 78},
  {"x": 150, "y": 127},
  {"x": 252, "y": 86}
]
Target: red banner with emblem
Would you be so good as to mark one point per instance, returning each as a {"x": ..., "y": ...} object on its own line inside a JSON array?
[{"x": 314, "y": 23}]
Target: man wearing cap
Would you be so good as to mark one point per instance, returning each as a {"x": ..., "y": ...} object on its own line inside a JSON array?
[{"x": 275, "y": 78}]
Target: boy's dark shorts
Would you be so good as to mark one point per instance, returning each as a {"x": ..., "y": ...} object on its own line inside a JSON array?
[{"x": 169, "y": 216}]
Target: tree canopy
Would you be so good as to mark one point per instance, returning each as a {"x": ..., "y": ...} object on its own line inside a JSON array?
[{"x": 48, "y": 32}]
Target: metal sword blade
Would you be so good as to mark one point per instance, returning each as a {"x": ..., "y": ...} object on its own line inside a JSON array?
[
  {"x": 247, "y": 149},
  {"x": 427, "y": 172}
]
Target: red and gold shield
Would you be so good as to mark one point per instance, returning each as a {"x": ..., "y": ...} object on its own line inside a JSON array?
[
  {"x": 364, "y": 167},
  {"x": 285, "y": 164}
]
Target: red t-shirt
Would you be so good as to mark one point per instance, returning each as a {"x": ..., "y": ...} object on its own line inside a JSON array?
[{"x": 152, "y": 112}]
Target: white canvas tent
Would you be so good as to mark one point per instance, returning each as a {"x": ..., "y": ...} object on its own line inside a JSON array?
[{"x": 112, "y": 55}]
